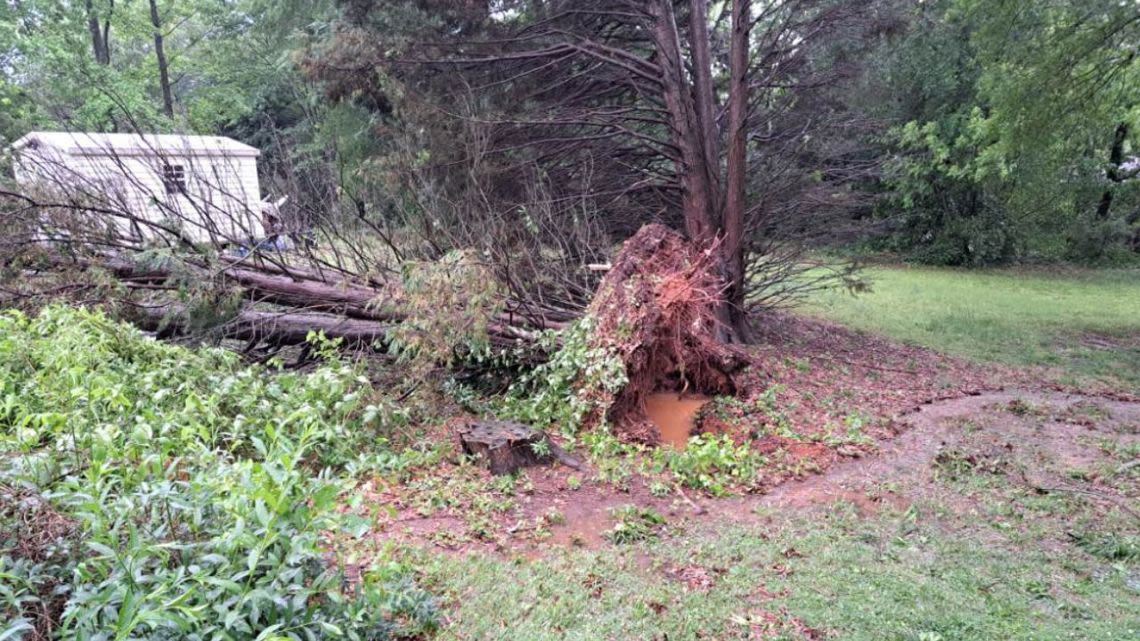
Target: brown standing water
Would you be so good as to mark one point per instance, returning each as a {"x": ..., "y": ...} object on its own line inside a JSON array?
[{"x": 674, "y": 415}]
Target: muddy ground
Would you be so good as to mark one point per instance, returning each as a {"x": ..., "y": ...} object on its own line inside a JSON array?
[{"x": 920, "y": 416}]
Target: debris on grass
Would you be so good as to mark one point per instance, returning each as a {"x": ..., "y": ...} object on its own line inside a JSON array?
[{"x": 635, "y": 524}]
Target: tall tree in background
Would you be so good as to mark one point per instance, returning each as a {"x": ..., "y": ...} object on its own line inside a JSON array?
[
  {"x": 1062, "y": 104},
  {"x": 644, "y": 110},
  {"x": 103, "y": 64},
  {"x": 160, "y": 58},
  {"x": 1017, "y": 117},
  {"x": 99, "y": 27}
]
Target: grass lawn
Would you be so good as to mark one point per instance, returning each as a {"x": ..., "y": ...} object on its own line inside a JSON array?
[
  {"x": 946, "y": 542},
  {"x": 903, "y": 576},
  {"x": 1087, "y": 323}
]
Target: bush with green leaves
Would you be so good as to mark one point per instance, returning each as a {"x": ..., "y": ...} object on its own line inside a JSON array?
[
  {"x": 448, "y": 305},
  {"x": 712, "y": 463},
  {"x": 149, "y": 491},
  {"x": 564, "y": 390}
]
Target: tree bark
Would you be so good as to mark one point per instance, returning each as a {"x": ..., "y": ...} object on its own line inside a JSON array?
[
  {"x": 697, "y": 197},
  {"x": 100, "y": 33},
  {"x": 690, "y": 107},
  {"x": 505, "y": 447},
  {"x": 160, "y": 54},
  {"x": 1115, "y": 158},
  {"x": 316, "y": 300},
  {"x": 737, "y": 163},
  {"x": 703, "y": 93},
  {"x": 288, "y": 328}
]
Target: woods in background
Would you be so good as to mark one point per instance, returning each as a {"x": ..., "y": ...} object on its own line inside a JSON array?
[{"x": 955, "y": 131}]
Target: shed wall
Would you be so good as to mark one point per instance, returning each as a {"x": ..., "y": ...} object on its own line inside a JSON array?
[{"x": 221, "y": 201}]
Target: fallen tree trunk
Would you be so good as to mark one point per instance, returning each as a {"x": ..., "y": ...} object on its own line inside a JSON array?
[
  {"x": 278, "y": 328},
  {"x": 299, "y": 289},
  {"x": 278, "y": 288}
]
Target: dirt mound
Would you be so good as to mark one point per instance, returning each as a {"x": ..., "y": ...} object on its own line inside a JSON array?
[{"x": 655, "y": 309}]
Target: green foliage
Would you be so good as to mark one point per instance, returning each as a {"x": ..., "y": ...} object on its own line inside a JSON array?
[
  {"x": 1002, "y": 151},
  {"x": 225, "y": 59},
  {"x": 196, "y": 491},
  {"x": 713, "y": 464},
  {"x": 634, "y": 524},
  {"x": 763, "y": 409},
  {"x": 941, "y": 183},
  {"x": 569, "y": 386},
  {"x": 448, "y": 305}
]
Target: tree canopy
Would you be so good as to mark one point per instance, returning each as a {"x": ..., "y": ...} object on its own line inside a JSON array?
[{"x": 951, "y": 131}]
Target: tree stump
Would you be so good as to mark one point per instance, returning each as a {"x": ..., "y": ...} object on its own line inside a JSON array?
[{"x": 505, "y": 447}]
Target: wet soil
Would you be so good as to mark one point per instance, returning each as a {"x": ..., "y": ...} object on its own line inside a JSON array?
[
  {"x": 1022, "y": 425},
  {"x": 992, "y": 423},
  {"x": 915, "y": 406},
  {"x": 674, "y": 415},
  {"x": 991, "y": 427}
]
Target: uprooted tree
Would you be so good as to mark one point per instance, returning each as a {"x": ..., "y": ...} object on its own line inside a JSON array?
[
  {"x": 584, "y": 123},
  {"x": 656, "y": 311},
  {"x": 610, "y": 114}
]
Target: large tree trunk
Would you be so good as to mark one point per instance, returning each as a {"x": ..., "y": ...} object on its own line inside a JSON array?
[
  {"x": 306, "y": 297},
  {"x": 100, "y": 33},
  {"x": 690, "y": 107},
  {"x": 1115, "y": 158},
  {"x": 277, "y": 328},
  {"x": 697, "y": 197},
  {"x": 160, "y": 54},
  {"x": 703, "y": 93},
  {"x": 737, "y": 162}
]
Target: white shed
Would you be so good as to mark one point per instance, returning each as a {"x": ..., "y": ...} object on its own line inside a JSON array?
[{"x": 205, "y": 187}]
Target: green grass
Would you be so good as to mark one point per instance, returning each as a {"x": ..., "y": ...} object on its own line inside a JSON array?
[
  {"x": 1085, "y": 322},
  {"x": 908, "y": 576}
]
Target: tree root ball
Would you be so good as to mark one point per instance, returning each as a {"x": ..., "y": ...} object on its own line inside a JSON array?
[{"x": 656, "y": 310}]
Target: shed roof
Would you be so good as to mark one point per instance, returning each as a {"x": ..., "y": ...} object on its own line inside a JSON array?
[{"x": 98, "y": 144}]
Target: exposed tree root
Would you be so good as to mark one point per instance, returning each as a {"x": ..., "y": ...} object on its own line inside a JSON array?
[{"x": 655, "y": 309}]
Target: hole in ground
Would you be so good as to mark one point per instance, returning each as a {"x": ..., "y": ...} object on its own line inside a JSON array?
[{"x": 674, "y": 414}]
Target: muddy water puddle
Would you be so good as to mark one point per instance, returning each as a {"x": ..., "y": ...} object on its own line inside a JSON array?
[{"x": 674, "y": 415}]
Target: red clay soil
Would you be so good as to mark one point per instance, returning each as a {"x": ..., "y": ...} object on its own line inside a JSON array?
[
  {"x": 811, "y": 386},
  {"x": 826, "y": 372},
  {"x": 815, "y": 396}
]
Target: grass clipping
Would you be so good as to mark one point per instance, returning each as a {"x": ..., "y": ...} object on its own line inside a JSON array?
[{"x": 656, "y": 311}]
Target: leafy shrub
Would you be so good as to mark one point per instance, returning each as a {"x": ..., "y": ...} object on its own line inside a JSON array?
[
  {"x": 943, "y": 194},
  {"x": 448, "y": 305},
  {"x": 196, "y": 491},
  {"x": 563, "y": 390},
  {"x": 714, "y": 464}
]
